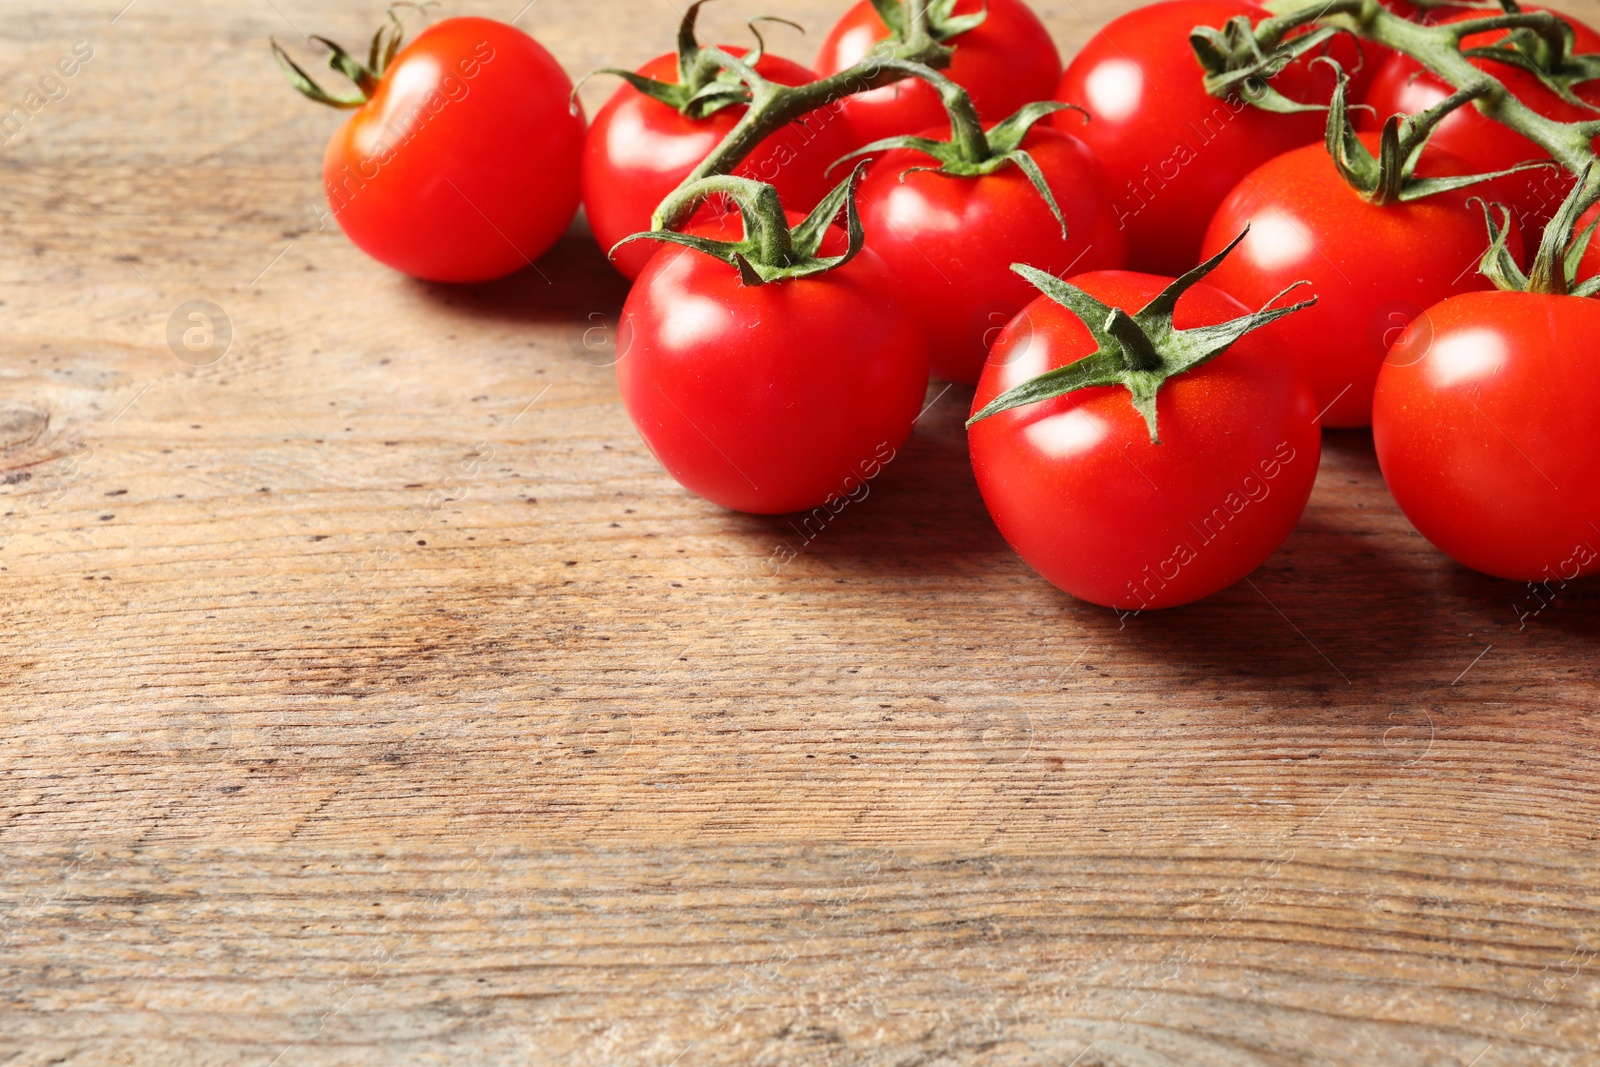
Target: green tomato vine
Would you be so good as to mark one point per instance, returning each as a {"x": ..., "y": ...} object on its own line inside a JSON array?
[
  {"x": 1537, "y": 41},
  {"x": 1234, "y": 57}
]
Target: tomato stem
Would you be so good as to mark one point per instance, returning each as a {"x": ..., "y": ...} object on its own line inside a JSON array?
[
  {"x": 773, "y": 105},
  {"x": 1232, "y": 58},
  {"x": 382, "y": 49},
  {"x": 1560, "y": 254},
  {"x": 1139, "y": 352},
  {"x": 769, "y": 251}
]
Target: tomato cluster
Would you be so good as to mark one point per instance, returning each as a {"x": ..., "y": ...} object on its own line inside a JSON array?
[{"x": 936, "y": 195}]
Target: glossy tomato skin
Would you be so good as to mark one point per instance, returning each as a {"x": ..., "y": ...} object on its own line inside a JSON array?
[
  {"x": 1372, "y": 268},
  {"x": 1487, "y": 428},
  {"x": 639, "y": 150},
  {"x": 1589, "y": 263},
  {"x": 950, "y": 241},
  {"x": 1079, "y": 490},
  {"x": 1171, "y": 151},
  {"x": 772, "y": 398},
  {"x": 1006, "y": 61},
  {"x": 464, "y": 164},
  {"x": 1402, "y": 86}
]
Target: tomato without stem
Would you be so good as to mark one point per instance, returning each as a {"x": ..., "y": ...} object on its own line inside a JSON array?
[
  {"x": 463, "y": 165},
  {"x": 950, "y": 241},
  {"x": 1080, "y": 491},
  {"x": 1487, "y": 428},
  {"x": 1372, "y": 267},
  {"x": 639, "y": 150},
  {"x": 1171, "y": 151},
  {"x": 1401, "y": 86},
  {"x": 1005, "y": 61},
  {"x": 769, "y": 398}
]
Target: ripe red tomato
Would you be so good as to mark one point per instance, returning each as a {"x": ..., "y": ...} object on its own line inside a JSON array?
[
  {"x": 639, "y": 150},
  {"x": 1080, "y": 491},
  {"x": 1005, "y": 61},
  {"x": 769, "y": 398},
  {"x": 463, "y": 165},
  {"x": 951, "y": 240},
  {"x": 1487, "y": 428},
  {"x": 1589, "y": 263},
  {"x": 1172, "y": 151},
  {"x": 1401, "y": 86},
  {"x": 1373, "y": 268}
]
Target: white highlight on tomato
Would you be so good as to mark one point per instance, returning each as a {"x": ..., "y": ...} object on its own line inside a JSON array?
[
  {"x": 1464, "y": 357},
  {"x": 1114, "y": 89},
  {"x": 1276, "y": 241},
  {"x": 1067, "y": 434}
]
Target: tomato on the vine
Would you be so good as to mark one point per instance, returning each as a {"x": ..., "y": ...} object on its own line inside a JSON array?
[
  {"x": 1402, "y": 86},
  {"x": 1007, "y": 60},
  {"x": 951, "y": 239},
  {"x": 460, "y": 163},
  {"x": 640, "y": 149},
  {"x": 1487, "y": 428},
  {"x": 1082, "y": 492},
  {"x": 1373, "y": 266},
  {"x": 772, "y": 396},
  {"x": 1172, "y": 151}
]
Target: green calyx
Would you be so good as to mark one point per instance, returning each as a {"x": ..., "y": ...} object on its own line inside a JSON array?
[
  {"x": 1389, "y": 177},
  {"x": 1555, "y": 265},
  {"x": 1236, "y": 63},
  {"x": 972, "y": 151},
  {"x": 1537, "y": 42},
  {"x": 769, "y": 251},
  {"x": 709, "y": 79},
  {"x": 1140, "y": 351},
  {"x": 943, "y": 23},
  {"x": 381, "y": 51},
  {"x": 772, "y": 105}
]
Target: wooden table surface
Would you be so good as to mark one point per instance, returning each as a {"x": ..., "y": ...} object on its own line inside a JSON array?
[{"x": 318, "y": 750}]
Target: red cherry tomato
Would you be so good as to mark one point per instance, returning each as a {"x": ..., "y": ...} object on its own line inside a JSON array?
[
  {"x": 1487, "y": 428},
  {"x": 770, "y": 398},
  {"x": 1079, "y": 490},
  {"x": 951, "y": 240},
  {"x": 1589, "y": 263},
  {"x": 463, "y": 166},
  {"x": 1171, "y": 151},
  {"x": 639, "y": 150},
  {"x": 1006, "y": 61},
  {"x": 1373, "y": 268},
  {"x": 1401, "y": 86}
]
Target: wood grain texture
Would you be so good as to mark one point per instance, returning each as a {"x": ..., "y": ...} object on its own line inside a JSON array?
[{"x": 319, "y": 750}]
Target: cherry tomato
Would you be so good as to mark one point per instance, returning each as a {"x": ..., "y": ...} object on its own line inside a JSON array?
[
  {"x": 1005, "y": 61},
  {"x": 1401, "y": 86},
  {"x": 771, "y": 398},
  {"x": 1487, "y": 428},
  {"x": 463, "y": 165},
  {"x": 639, "y": 150},
  {"x": 1589, "y": 263},
  {"x": 1080, "y": 491},
  {"x": 1172, "y": 151},
  {"x": 951, "y": 240},
  {"x": 1373, "y": 268}
]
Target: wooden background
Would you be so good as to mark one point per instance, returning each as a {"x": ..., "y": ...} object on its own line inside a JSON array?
[{"x": 316, "y": 751}]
